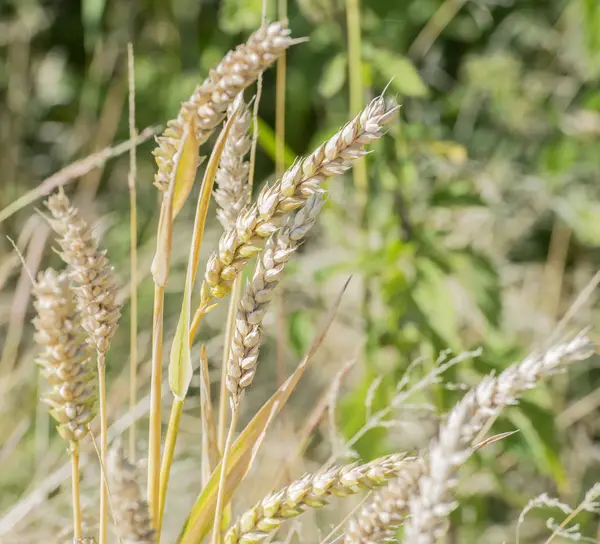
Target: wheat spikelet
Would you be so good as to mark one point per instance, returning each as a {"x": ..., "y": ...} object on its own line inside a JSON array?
[
  {"x": 431, "y": 500},
  {"x": 130, "y": 509},
  {"x": 379, "y": 519},
  {"x": 90, "y": 273},
  {"x": 232, "y": 175},
  {"x": 298, "y": 183},
  {"x": 207, "y": 106},
  {"x": 65, "y": 358},
  {"x": 85, "y": 540},
  {"x": 311, "y": 491},
  {"x": 253, "y": 305}
]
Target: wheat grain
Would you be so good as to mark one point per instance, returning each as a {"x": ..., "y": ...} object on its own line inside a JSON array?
[
  {"x": 379, "y": 519},
  {"x": 90, "y": 273},
  {"x": 431, "y": 500},
  {"x": 207, "y": 106},
  {"x": 311, "y": 491},
  {"x": 65, "y": 358},
  {"x": 130, "y": 509},
  {"x": 253, "y": 305},
  {"x": 232, "y": 176},
  {"x": 298, "y": 183}
]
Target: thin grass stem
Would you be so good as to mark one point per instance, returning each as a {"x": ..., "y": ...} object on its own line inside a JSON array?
[{"x": 133, "y": 255}]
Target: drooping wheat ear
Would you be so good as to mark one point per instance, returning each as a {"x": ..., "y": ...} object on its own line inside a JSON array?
[
  {"x": 65, "y": 357},
  {"x": 305, "y": 177},
  {"x": 90, "y": 273},
  {"x": 311, "y": 491},
  {"x": 232, "y": 176},
  {"x": 207, "y": 106},
  {"x": 432, "y": 500},
  {"x": 379, "y": 519},
  {"x": 247, "y": 337},
  {"x": 130, "y": 508}
]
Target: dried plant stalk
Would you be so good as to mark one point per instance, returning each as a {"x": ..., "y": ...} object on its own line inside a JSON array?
[
  {"x": 382, "y": 515},
  {"x": 65, "y": 362},
  {"x": 96, "y": 296},
  {"x": 274, "y": 203},
  {"x": 232, "y": 176},
  {"x": 247, "y": 337},
  {"x": 207, "y": 105},
  {"x": 311, "y": 491},
  {"x": 431, "y": 501},
  {"x": 130, "y": 508}
]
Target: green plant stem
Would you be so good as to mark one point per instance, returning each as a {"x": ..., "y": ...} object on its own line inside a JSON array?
[
  {"x": 216, "y": 536},
  {"x": 167, "y": 460},
  {"x": 103, "y": 446},
  {"x": 76, "y": 494},
  {"x": 154, "y": 433}
]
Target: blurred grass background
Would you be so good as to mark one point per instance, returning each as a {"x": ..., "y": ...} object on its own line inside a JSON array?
[{"x": 482, "y": 221}]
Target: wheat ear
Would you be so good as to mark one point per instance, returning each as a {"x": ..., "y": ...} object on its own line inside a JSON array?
[
  {"x": 255, "y": 301},
  {"x": 65, "y": 362},
  {"x": 207, "y": 106},
  {"x": 431, "y": 501},
  {"x": 311, "y": 491},
  {"x": 231, "y": 193},
  {"x": 274, "y": 203},
  {"x": 130, "y": 508},
  {"x": 95, "y": 289},
  {"x": 379, "y": 519},
  {"x": 247, "y": 335}
]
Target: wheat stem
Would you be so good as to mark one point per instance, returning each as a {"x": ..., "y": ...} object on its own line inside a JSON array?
[
  {"x": 154, "y": 433},
  {"x": 216, "y": 536},
  {"x": 133, "y": 319},
  {"x": 76, "y": 493},
  {"x": 167, "y": 459},
  {"x": 103, "y": 445},
  {"x": 236, "y": 293}
]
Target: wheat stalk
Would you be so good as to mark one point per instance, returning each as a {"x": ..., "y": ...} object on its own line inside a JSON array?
[
  {"x": 274, "y": 203},
  {"x": 431, "y": 501},
  {"x": 311, "y": 491},
  {"x": 95, "y": 293},
  {"x": 130, "y": 509},
  {"x": 65, "y": 362},
  {"x": 207, "y": 106}
]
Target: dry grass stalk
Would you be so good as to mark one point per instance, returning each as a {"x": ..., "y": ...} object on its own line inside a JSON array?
[
  {"x": 311, "y": 491},
  {"x": 247, "y": 337},
  {"x": 274, "y": 203},
  {"x": 238, "y": 70},
  {"x": 232, "y": 177},
  {"x": 130, "y": 508},
  {"x": 379, "y": 519},
  {"x": 95, "y": 289},
  {"x": 432, "y": 501}
]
